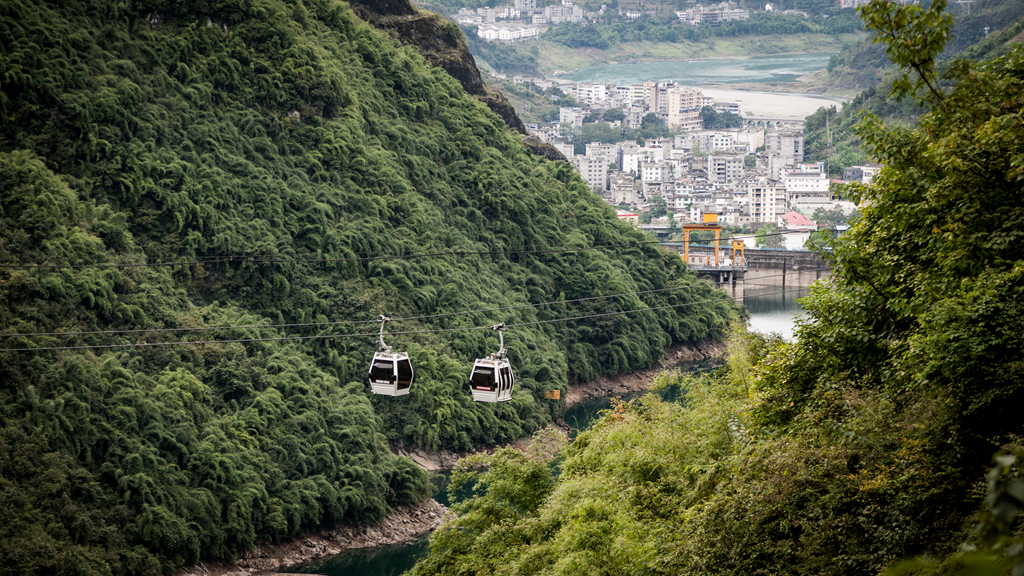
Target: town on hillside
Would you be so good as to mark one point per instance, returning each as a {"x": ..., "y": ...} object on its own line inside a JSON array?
[
  {"x": 524, "y": 19},
  {"x": 752, "y": 174}
]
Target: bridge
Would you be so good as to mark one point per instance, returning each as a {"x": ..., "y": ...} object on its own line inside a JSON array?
[{"x": 773, "y": 122}]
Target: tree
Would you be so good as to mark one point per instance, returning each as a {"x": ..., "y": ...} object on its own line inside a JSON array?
[
  {"x": 651, "y": 120},
  {"x": 833, "y": 216},
  {"x": 658, "y": 206},
  {"x": 768, "y": 236},
  {"x": 614, "y": 115},
  {"x": 714, "y": 120}
]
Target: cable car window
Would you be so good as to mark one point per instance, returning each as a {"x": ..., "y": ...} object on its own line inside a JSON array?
[{"x": 404, "y": 374}]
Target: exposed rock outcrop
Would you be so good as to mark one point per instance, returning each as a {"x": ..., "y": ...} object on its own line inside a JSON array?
[
  {"x": 543, "y": 149},
  {"x": 642, "y": 379},
  {"x": 441, "y": 42}
]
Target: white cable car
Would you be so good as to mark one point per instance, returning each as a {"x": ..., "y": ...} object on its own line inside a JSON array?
[
  {"x": 390, "y": 372},
  {"x": 492, "y": 378}
]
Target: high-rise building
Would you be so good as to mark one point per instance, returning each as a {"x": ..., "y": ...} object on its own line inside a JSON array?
[{"x": 682, "y": 108}]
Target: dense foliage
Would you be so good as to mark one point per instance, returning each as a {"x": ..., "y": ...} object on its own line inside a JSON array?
[
  {"x": 866, "y": 440},
  {"x": 714, "y": 120},
  {"x": 648, "y": 29},
  {"x": 268, "y": 153}
]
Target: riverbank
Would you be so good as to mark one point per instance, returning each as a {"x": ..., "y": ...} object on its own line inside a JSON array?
[
  {"x": 402, "y": 524},
  {"x": 552, "y": 57},
  {"x": 643, "y": 379}
]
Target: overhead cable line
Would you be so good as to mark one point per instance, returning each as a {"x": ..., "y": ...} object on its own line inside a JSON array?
[
  {"x": 351, "y": 322},
  {"x": 371, "y": 334},
  {"x": 273, "y": 259}
]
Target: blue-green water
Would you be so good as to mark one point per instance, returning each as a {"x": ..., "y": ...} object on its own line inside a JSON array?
[
  {"x": 388, "y": 560},
  {"x": 787, "y": 68},
  {"x": 772, "y": 311}
]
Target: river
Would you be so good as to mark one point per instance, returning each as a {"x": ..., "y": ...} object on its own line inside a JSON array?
[
  {"x": 768, "y": 313},
  {"x": 786, "y": 68},
  {"x": 762, "y": 69}
]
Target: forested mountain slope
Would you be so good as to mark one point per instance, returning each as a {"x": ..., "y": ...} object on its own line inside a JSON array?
[{"x": 167, "y": 169}]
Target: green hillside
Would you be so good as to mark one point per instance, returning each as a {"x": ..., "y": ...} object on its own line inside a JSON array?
[{"x": 267, "y": 177}]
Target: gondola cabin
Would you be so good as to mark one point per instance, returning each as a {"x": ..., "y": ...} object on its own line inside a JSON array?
[
  {"x": 492, "y": 380},
  {"x": 390, "y": 372}
]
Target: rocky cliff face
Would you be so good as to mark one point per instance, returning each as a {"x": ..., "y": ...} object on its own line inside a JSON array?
[{"x": 441, "y": 43}]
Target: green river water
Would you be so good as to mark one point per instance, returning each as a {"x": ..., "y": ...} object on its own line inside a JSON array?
[{"x": 785, "y": 68}]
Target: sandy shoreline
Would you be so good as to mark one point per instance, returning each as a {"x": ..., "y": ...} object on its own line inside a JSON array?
[{"x": 775, "y": 104}]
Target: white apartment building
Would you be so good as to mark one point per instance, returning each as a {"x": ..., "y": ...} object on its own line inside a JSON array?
[
  {"x": 653, "y": 171},
  {"x": 864, "y": 173},
  {"x": 682, "y": 106},
  {"x": 566, "y": 149},
  {"x": 657, "y": 97},
  {"x": 573, "y": 116},
  {"x": 510, "y": 32},
  {"x": 725, "y": 168},
  {"x": 560, "y": 14},
  {"x": 766, "y": 200},
  {"x": 751, "y": 138},
  {"x": 633, "y": 94},
  {"x": 590, "y": 94},
  {"x": 808, "y": 191},
  {"x": 594, "y": 171},
  {"x": 713, "y": 15}
]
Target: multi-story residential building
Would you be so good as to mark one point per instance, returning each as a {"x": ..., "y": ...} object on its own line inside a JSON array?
[
  {"x": 573, "y": 116},
  {"x": 653, "y": 171},
  {"x": 752, "y": 138},
  {"x": 634, "y": 157},
  {"x": 788, "y": 143},
  {"x": 635, "y": 115},
  {"x": 682, "y": 108},
  {"x": 766, "y": 200},
  {"x": 488, "y": 14},
  {"x": 657, "y": 97},
  {"x": 590, "y": 94},
  {"x": 863, "y": 173},
  {"x": 807, "y": 190},
  {"x": 713, "y": 15},
  {"x": 633, "y": 94},
  {"x": 725, "y": 168},
  {"x": 566, "y": 149},
  {"x": 561, "y": 14},
  {"x": 621, "y": 189},
  {"x": 594, "y": 171},
  {"x": 730, "y": 107},
  {"x": 510, "y": 32}
]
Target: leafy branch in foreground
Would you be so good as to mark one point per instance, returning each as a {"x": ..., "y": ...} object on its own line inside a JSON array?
[{"x": 913, "y": 37}]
